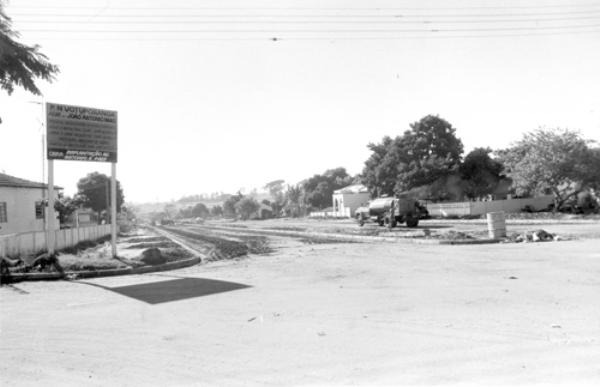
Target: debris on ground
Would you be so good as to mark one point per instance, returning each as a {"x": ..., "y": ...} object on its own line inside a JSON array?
[
  {"x": 533, "y": 236},
  {"x": 153, "y": 256},
  {"x": 454, "y": 235}
]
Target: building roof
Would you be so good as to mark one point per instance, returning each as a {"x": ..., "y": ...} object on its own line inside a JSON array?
[
  {"x": 11, "y": 181},
  {"x": 352, "y": 189}
]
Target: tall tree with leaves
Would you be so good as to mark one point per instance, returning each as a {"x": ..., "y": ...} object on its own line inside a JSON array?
[
  {"x": 94, "y": 189},
  {"x": 480, "y": 173},
  {"x": 20, "y": 64},
  {"x": 246, "y": 207},
  {"x": 294, "y": 200},
  {"x": 319, "y": 188},
  {"x": 276, "y": 190},
  {"x": 426, "y": 153},
  {"x": 200, "y": 211},
  {"x": 229, "y": 209},
  {"x": 552, "y": 160}
]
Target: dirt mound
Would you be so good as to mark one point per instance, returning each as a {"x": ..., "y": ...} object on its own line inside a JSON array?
[
  {"x": 224, "y": 248},
  {"x": 153, "y": 256}
]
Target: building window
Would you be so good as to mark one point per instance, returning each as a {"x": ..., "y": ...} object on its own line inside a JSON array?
[
  {"x": 3, "y": 214},
  {"x": 39, "y": 210}
]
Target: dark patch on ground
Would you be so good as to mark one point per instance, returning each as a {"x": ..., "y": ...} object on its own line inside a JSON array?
[{"x": 175, "y": 290}]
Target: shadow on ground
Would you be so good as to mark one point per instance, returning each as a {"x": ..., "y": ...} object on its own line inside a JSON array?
[{"x": 174, "y": 290}]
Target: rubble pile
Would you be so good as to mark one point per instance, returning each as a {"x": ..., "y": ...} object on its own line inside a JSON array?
[{"x": 533, "y": 236}]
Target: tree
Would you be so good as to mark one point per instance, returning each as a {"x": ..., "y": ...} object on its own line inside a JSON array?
[
  {"x": 426, "y": 153},
  {"x": 552, "y": 160},
  {"x": 229, "y": 209},
  {"x": 294, "y": 200},
  {"x": 319, "y": 188},
  {"x": 275, "y": 189},
  {"x": 216, "y": 211},
  {"x": 200, "y": 211},
  {"x": 185, "y": 212},
  {"x": 65, "y": 206},
  {"x": 20, "y": 64},
  {"x": 93, "y": 189},
  {"x": 246, "y": 207},
  {"x": 480, "y": 173}
]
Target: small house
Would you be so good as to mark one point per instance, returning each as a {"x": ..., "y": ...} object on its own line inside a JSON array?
[
  {"x": 22, "y": 205},
  {"x": 346, "y": 200}
]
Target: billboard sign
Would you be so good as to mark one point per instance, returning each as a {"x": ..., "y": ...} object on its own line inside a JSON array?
[{"x": 81, "y": 133}]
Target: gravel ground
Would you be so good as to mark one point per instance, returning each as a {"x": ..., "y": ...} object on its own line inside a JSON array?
[{"x": 319, "y": 315}]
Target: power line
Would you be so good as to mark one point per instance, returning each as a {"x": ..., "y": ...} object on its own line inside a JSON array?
[
  {"x": 398, "y": 21},
  {"x": 250, "y": 15},
  {"x": 537, "y": 28},
  {"x": 320, "y": 38},
  {"x": 539, "y": 6}
]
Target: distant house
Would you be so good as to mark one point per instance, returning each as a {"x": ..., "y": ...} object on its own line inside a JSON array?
[
  {"x": 82, "y": 217},
  {"x": 22, "y": 206},
  {"x": 346, "y": 200},
  {"x": 263, "y": 212}
]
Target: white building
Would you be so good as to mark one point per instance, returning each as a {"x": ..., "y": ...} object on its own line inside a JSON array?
[
  {"x": 21, "y": 205},
  {"x": 346, "y": 200}
]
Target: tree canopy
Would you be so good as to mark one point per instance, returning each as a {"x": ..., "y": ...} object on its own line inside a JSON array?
[
  {"x": 93, "y": 191},
  {"x": 429, "y": 151},
  {"x": 276, "y": 190},
  {"x": 552, "y": 160},
  {"x": 229, "y": 209},
  {"x": 319, "y": 188},
  {"x": 246, "y": 207},
  {"x": 21, "y": 64},
  {"x": 480, "y": 173}
]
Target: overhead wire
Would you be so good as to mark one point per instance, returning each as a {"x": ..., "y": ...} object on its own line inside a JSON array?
[
  {"x": 433, "y": 25},
  {"x": 399, "y": 21},
  {"x": 570, "y": 4}
]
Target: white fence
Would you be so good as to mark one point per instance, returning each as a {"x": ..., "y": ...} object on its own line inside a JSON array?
[
  {"x": 480, "y": 208},
  {"x": 344, "y": 212},
  {"x": 34, "y": 242}
]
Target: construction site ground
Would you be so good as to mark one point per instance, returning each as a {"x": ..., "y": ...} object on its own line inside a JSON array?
[{"x": 292, "y": 310}]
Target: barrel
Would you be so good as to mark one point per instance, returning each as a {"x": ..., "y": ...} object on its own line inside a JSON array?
[{"x": 496, "y": 224}]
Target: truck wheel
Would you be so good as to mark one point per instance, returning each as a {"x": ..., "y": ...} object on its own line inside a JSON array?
[
  {"x": 360, "y": 220},
  {"x": 380, "y": 222},
  {"x": 412, "y": 221}
]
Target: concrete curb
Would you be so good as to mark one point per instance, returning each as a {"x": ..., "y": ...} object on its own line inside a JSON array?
[
  {"x": 354, "y": 238},
  {"x": 18, "y": 277}
]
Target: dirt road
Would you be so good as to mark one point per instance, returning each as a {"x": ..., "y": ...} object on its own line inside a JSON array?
[{"x": 319, "y": 314}]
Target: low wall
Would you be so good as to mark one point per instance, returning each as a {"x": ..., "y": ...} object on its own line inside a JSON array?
[
  {"x": 344, "y": 213},
  {"x": 480, "y": 208},
  {"x": 33, "y": 242}
]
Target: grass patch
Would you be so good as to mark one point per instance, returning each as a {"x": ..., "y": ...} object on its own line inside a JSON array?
[
  {"x": 147, "y": 245},
  {"x": 146, "y": 239},
  {"x": 84, "y": 245}
]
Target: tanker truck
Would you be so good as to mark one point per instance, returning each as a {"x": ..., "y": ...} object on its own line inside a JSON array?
[{"x": 389, "y": 212}]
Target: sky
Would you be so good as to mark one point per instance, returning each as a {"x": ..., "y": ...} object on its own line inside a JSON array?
[{"x": 221, "y": 96}]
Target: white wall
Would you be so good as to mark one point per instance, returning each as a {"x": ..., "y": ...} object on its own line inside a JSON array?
[
  {"x": 34, "y": 242},
  {"x": 480, "y": 208},
  {"x": 349, "y": 202},
  {"x": 20, "y": 207}
]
